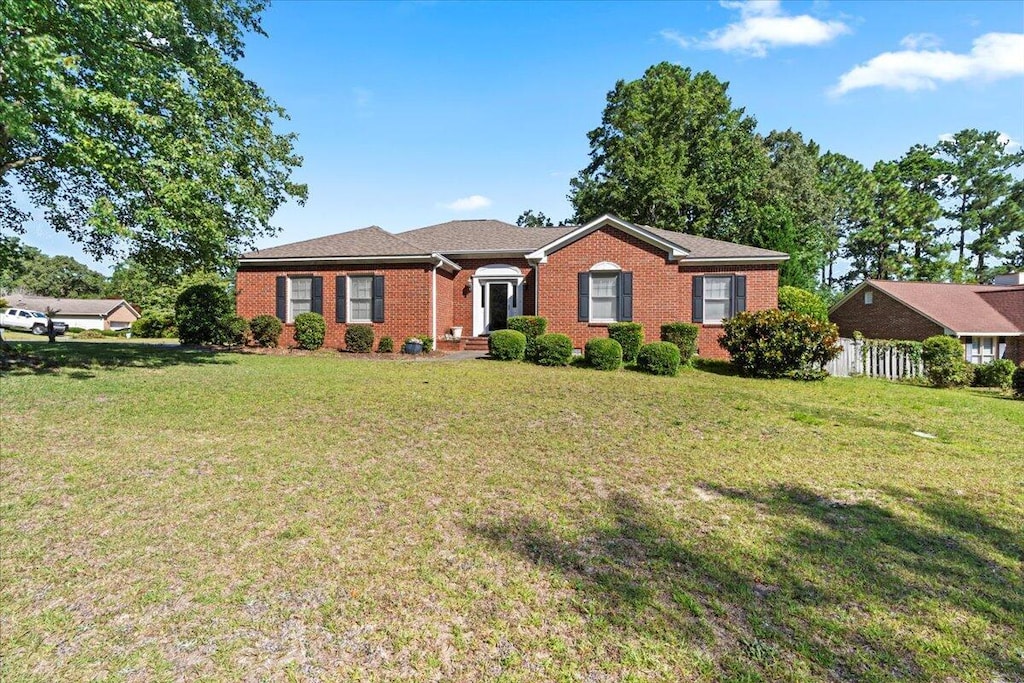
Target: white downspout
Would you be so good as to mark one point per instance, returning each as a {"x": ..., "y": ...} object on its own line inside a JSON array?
[{"x": 433, "y": 302}]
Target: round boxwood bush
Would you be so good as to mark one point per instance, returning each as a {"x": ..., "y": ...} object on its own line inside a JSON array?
[
  {"x": 310, "y": 330},
  {"x": 199, "y": 312},
  {"x": 944, "y": 362},
  {"x": 265, "y": 330},
  {"x": 1018, "y": 381},
  {"x": 659, "y": 358},
  {"x": 552, "y": 349},
  {"x": 630, "y": 337},
  {"x": 776, "y": 343},
  {"x": 235, "y": 330},
  {"x": 684, "y": 336},
  {"x": 532, "y": 326},
  {"x": 603, "y": 354},
  {"x": 802, "y": 301},
  {"x": 996, "y": 373},
  {"x": 507, "y": 345},
  {"x": 386, "y": 345},
  {"x": 359, "y": 338}
]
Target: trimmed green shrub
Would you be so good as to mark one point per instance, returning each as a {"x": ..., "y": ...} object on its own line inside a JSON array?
[
  {"x": 944, "y": 362},
  {"x": 310, "y": 330},
  {"x": 90, "y": 334},
  {"x": 603, "y": 354},
  {"x": 1018, "y": 381},
  {"x": 265, "y": 330},
  {"x": 153, "y": 325},
  {"x": 996, "y": 373},
  {"x": 530, "y": 325},
  {"x": 802, "y": 301},
  {"x": 359, "y": 338},
  {"x": 659, "y": 358},
  {"x": 199, "y": 311},
  {"x": 235, "y": 330},
  {"x": 71, "y": 330},
  {"x": 776, "y": 343},
  {"x": 684, "y": 336},
  {"x": 386, "y": 345},
  {"x": 507, "y": 345},
  {"x": 552, "y": 349},
  {"x": 630, "y": 337},
  {"x": 428, "y": 342}
]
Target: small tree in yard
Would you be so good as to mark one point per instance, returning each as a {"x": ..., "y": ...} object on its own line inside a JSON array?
[
  {"x": 776, "y": 343},
  {"x": 200, "y": 312}
]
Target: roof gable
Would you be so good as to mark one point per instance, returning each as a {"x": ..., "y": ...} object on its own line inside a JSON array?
[
  {"x": 672, "y": 249},
  {"x": 964, "y": 309}
]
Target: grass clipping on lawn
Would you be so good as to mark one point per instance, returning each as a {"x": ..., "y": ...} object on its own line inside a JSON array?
[{"x": 176, "y": 515}]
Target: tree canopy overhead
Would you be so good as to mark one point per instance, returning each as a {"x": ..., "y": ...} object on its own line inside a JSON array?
[
  {"x": 672, "y": 151},
  {"x": 127, "y": 123}
]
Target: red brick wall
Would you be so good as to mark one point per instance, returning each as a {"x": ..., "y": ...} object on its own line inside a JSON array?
[
  {"x": 885, "y": 318},
  {"x": 661, "y": 289},
  {"x": 406, "y": 299}
]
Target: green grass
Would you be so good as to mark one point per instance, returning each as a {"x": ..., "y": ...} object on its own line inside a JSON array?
[{"x": 172, "y": 515}]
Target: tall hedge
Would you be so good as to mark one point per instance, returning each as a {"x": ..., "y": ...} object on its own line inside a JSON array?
[
  {"x": 776, "y": 343},
  {"x": 684, "y": 336},
  {"x": 532, "y": 326},
  {"x": 310, "y": 330},
  {"x": 630, "y": 337},
  {"x": 944, "y": 362},
  {"x": 200, "y": 312},
  {"x": 802, "y": 301}
]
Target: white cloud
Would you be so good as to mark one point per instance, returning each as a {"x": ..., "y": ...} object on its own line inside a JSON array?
[
  {"x": 920, "y": 41},
  {"x": 763, "y": 26},
  {"x": 992, "y": 56},
  {"x": 470, "y": 203}
]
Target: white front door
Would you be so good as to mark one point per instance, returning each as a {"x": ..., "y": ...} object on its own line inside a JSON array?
[{"x": 494, "y": 302}]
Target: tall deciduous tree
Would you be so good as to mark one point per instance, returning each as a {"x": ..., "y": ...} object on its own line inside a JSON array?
[
  {"x": 55, "y": 276},
  {"x": 672, "y": 151},
  {"x": 529, "y": 219},
  {"x": 128, "y": 124},
  {"x": 982, "y": 197}
]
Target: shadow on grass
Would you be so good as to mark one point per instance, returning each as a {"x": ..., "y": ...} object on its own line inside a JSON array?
[
  {"x": 716, "y": 367},
  {"x": 844, "y": 591},
  {"x": 85, "y": 358}
]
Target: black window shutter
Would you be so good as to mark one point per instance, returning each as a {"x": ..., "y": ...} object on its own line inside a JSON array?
[
  {"x": 378, "y": 298},
  {"x": 317, "y": 304},
  {"x": 698, "y": 299},
  {"x": 584, "y": 296},
  {"x": 340, "y": 302},
  {"x": 625, "y": 290},
  {"x": 739, "y": 294},
  {"x": 282, "y": 298}
]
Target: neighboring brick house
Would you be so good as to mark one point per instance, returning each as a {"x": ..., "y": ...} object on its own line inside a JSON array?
[
  {"x": 475, "y": 274},
  {"x": 988, "y": 319}
]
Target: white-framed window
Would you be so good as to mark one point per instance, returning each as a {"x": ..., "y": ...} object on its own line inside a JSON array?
[
  {"x": 717, "y": 298},
  {"x": 360, "y": 298},
  {"x": 300, "y": 296},
  {"x": 982, "y": 350},
  {"x": 604, "y": 297},
  {"x": 869, "y": 298}
]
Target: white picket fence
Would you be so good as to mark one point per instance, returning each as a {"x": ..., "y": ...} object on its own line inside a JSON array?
[{"x": 860, "y": 357}]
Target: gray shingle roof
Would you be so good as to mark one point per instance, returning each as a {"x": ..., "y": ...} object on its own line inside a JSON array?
[
  {"x": 469, "y": 236},
  {"x": 482, "y": 235},
  {"x": 371, "y": 241}
]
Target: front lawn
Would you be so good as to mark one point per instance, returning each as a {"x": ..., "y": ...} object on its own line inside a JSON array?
[{"x": 178, "y": 515}]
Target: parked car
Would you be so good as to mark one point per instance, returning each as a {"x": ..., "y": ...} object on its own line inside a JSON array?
[{"x": 29, "y": 321}]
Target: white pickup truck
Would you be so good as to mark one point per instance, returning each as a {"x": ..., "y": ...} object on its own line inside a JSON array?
[{"x": 25, "y": 320}]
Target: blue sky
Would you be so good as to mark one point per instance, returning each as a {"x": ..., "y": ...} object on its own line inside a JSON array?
[{"x": 412, "y": 113}]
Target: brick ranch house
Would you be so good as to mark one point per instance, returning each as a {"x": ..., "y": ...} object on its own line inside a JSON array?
[
  {"x": 475, "y": 274},
  {"x": 987, "y": 319}
]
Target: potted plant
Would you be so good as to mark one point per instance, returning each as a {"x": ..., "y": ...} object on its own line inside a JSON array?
[{"x": 412, "y": 346}]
